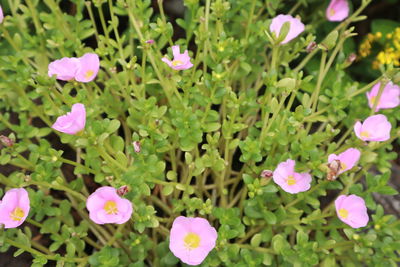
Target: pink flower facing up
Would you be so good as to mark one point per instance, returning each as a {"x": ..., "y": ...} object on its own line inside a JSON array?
[
  {"x": 106, "y": 206},
  {"x": 337, "y": 10},
  {"x": 296, "y": 27},
  {"x": 14, "y": 208},
  {"x": 390, "y": 97},
  {"x": 88, "y": 68},
  {"x": 374, "y": 128},
  {"x": 352, "y": 210},
  {"x": 191, "y": 239},
  {"x": 348, "y": 159},
  {"x": 73, "y": 122},
  {"x": 289, "y": 180},
  {"x": 180, "y": 61},
  {"x": 83, "y": 69}
]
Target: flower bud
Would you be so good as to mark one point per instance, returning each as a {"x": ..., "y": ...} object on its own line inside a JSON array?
[
  {"x": 266, "y": 174},
  {"x": 311, "y": 47},
  {"x": 136, "y": 146},
  {"x": 6, "y": 141},
  {"x": 123, "y": 190}
]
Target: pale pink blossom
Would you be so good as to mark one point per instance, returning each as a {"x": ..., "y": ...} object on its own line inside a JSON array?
[
  {"x": 348, "y": 159},
  {"x": 337, "y": 10},
  {"x": 64, "y": 69},
  {"x": 83, "y": 69},
  {"x": 14, "y": 208},
  {"x": 191, "y": 239},
  {"x": 390, "y": 97},
  {"x": 374, "y": 128},
  {"x": 289, "y": 180},
  {"x": 1, "y": 15},
  {"x": 352, "y": 210},
  {"x": 180, "y": 61},
  {"x": 73, "y": 122},
  {"x": 88, "y": 68},
  {"x": 106, "y": 206},
  {"x": 296, "y": 27}
]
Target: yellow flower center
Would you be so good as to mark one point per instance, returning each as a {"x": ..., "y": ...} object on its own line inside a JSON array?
[
  {"x": 111, "y": 207},
  {"x": 290, "y": 180},
  {"x": 192, "y": 241},
  {"x": 365, "y": 134},
  {"x": 89, "y": 74},
  {"x": 343, "y": 166},
  {"x": 332, "y": 12},
  {"x": 176, "y": 63},
  {"x": 17, "y": 214},
  {"x": 373, "y": 99},
  {"x": 343, "y": 213}
]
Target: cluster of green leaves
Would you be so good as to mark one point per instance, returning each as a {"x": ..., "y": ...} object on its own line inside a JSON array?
[{"x": 205, "y": 133}]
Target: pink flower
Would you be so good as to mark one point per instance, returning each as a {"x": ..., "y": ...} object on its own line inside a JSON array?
[
  {"x": 64, "y": 69},
  {"x": 352, "y": 210},
  {"x": 83, "y": 69},
  {"x": 106, "y": 206},
  {"x": 337, "y": 10},
  {"x": 73, "y": 122},
  {"x": 181, "y": 61},
  {"x": 296, "y": 27},
  {"x": 390, "y": 97},
  {"x": 1, "y": 15},
  {"x": 348, "y": 159},
  {"x": 151, "y": 41},
  {"x": 289, "y": 180},
  {"x": 191, "y": 239},
  {"x": 374, "y": 128},
  {"x": 88, "y": 67},
  {"x": 14, "y": 208}
]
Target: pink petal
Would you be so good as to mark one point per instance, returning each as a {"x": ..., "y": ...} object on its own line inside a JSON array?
[
  {"x": 176, "y": 51},
  {"x": 337, "y": 10},
  {"x": 1, "y": 15},
  {"x": 166, "y": 60},
  {"x": 378, "y": 126},
  {"x": 349, "y": 157},
  {"x": 357, "y": 130},
  {"x": 89, "y": 67},
  {"x": 73, "y": 122},
  {"x": 65, "y": 69},
  {"x": 296, "y": 27}
]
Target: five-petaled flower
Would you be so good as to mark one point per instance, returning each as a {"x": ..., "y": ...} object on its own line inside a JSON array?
[
  {"x": 14, "y": 208},
  {"x": 83, "y": 69},
  {"x": 191, "y": 239},
  {"x": 352, "y": 210},
  {"x": 337, "y": 10},
  {"x": 289, "y": 180},
  {"x": 390, "y": 97},
  {"x": 374, "y": 128},
  {"x": 296, "y": 27},
  {"x": 180, "y": 61},
  {"x": 348, "y": 159},
  {"x": 106, "y": 206},
  {"x": 73, "y": 122}
]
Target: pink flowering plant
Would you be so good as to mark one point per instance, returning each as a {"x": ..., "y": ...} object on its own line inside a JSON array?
[{"x": 213, "y": 133}]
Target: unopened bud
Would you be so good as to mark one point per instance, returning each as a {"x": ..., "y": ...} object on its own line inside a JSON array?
[
  {"x": 151, "y": 41},
  {"x": 266, "y": 174},
  {"x": 123, "y": 190},
  {"x": 136, "y": 146},
  {"x": 6, "y": 141},
  {"x": 311, "y": 46},
  {"x": 351, "y": 58}
]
